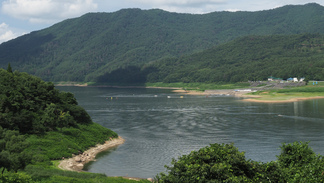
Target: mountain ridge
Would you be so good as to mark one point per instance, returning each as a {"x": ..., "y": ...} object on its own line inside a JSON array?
[{"x": 84, "y": 48}]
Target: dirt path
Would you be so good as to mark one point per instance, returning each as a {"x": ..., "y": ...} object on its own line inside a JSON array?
[{"x": 77, "y": 163}]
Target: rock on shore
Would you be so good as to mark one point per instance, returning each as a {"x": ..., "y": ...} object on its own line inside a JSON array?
[{"x": 76, "y": 163}]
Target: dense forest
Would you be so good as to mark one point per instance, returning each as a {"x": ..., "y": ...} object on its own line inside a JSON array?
[
  {"x": 105, "y": 44},
  {"x": 40, "y": 124},
  {"x": 252, "y": 58}
]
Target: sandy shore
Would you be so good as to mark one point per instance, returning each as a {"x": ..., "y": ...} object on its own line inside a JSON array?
[
  {"x": 77, "y": 163},
  {"x": 282, "y": 101},
  {"x": 244, "y": 94},
  {"x": 231, "y": 92}
]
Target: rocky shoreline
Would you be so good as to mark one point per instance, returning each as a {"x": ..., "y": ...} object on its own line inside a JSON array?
[{"x": 77, "y": 162}]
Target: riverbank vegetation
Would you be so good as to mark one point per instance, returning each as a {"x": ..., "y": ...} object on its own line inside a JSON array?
[
  {"x": 224, "y": 163},
  {"x": 38, "y": 124}
]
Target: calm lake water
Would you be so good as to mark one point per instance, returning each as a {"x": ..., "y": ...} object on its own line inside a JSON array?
[{"x": 159, "y": 125}]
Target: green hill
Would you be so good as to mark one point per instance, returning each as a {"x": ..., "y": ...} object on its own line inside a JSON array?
[
  {"x": 251, "y": 58},
  {"x": 97, "y": 44}
]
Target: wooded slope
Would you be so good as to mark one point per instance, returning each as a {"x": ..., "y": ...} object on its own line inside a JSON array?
[
  {"x": 251, "y": 58},
  {"x": 95, "y": 44}
]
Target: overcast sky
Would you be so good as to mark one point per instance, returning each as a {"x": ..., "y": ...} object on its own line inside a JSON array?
[{"x": 19, "y": 17}]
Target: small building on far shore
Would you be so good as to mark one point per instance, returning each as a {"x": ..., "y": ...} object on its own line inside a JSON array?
[{"x": 274, "y": 79}]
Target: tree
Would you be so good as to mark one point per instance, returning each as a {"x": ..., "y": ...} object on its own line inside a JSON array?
[
  {"x": 30, "y": 105},
  {"x": 9, "y": 69},
  {"x": 224, "y": 163},
  {"x": 216, "y": 163},
  {"x": 12, "y": 155}
]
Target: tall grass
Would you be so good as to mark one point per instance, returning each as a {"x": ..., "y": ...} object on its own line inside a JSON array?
[
  {"x": 302, "y": 89},
  {"x": 58, "y": 144},
  {"x": 41, "y": 174}
]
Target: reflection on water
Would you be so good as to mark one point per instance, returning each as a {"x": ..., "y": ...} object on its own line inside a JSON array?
[{"x": 159, "y": 126}]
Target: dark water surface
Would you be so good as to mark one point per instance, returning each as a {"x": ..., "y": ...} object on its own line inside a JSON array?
[{"x": 159, "y": 126}]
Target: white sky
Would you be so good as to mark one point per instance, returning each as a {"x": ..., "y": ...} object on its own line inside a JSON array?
[{"x": 18, "y": 17}]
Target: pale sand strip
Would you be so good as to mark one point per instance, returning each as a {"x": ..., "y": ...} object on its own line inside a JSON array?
[
  {"x": 77, "y": 163},
  {"x": 282, "y": 101},
  {"x": 230, "y": 92},
  {"x": 244, "y": 94}
]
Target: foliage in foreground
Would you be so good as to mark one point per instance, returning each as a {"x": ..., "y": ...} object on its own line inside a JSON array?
[
  {"x": 32, "y": 106},
  {"x": 51, "y": 175},
  {"x": 224, "y": 163},
  {"x": 57, "y": 144},
  {"x": 38, "y": 123}
]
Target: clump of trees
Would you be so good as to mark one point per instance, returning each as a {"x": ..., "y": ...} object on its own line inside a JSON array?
[
  {"x": 39, "y": 123},
  {"x": 12, "y": 146},
  {"x": 30, "y": 105},
  {"x": 224, "y": 163}
]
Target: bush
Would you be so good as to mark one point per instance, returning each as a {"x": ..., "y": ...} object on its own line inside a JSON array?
[
  {"x": 15, "y": 177},
  {"x": 214, "y": 163},
  {"x": 224, "y": 163},
  {"x": 300, "y": 164}
]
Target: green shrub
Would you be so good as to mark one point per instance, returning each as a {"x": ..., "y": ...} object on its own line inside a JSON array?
[
  {"x": 20, "y": 177},
  {"x": 215, "y": 163},
  {"x": 224, "y": 163},
  {"x": 299, "y": 163}
]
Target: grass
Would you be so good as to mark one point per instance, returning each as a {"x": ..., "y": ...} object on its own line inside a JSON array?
[
  {"x": 52, "y": 174},
  {"x": 291, "y": 93},
  {"x": 58, "y": 144}
]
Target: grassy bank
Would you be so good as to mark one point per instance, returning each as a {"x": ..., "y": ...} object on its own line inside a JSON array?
[
  {"x": 46, "y": 151},
  {"x": 289, "y": 95},
  {"x": 68, "y": 141},
  {"x": 41, "y": 174}
]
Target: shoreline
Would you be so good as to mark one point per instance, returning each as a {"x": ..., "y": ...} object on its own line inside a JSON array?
[
  {"x": 228, "y": 92},
  {"x": 282, "y": 101},
  {"x": 76, "y": 163},
  {"x": 245, "y": 95}
]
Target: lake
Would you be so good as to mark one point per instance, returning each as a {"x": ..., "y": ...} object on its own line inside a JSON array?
[{"x": 159, "y": 125}]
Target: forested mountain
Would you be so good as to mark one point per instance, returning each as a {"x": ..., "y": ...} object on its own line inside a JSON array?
[
  {"x": 98, "y": 44},
  {"x": 251, "y": 58}
]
